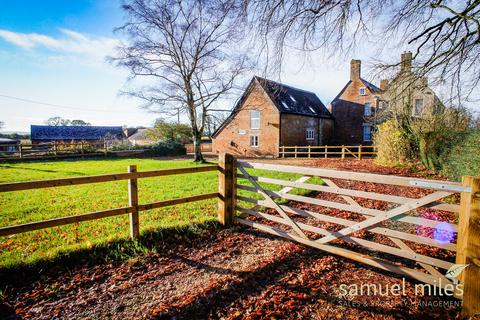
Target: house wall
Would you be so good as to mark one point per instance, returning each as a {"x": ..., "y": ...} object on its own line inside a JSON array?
[
  {"x": 348, "y": 111},
  {"x": 294, "y": 130},
  {"x": 229, "y": 138},
  {"x": 327, "y": 131}
]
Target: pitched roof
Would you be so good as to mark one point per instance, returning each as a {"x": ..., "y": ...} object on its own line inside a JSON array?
[
  {"x": 8, "y": 141},
  {"x": 140, "y": 134},
  {"x": 373, "y": 88},
  {"x": 286, "y": 99},
  {"x": 75, "y": 132}
]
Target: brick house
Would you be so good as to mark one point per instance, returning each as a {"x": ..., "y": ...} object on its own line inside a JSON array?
[
  {"x": 409, "y": 94},
  {"x": 355, "y": 109},
  {"x": 269, "y": 115}
]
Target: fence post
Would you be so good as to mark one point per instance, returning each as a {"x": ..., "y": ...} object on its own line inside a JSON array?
[
  {"x": 309, "y": 147},
  {"x": 226, "y": 188},
  {"x": 326, "y": 152},
  {"x": 295, "y": 151},
  {"x": 283, "y": 151},
  {"x": 55, "y": 148},
  {"x": 133, "y": 202},
  {"x": 360, "y": 152},
  {"x": 105, "y": 148},
  {"x": 468, "y": 248},
  {"x": 20, "y": 149},
  {"x": 343, "y": 152}
]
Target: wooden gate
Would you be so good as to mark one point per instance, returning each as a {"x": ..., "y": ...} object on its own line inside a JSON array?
[{"x": 392, "y": 217}]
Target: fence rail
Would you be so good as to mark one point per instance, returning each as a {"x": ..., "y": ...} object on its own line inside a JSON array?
[
  {"x": 132, "y": 209},
  {"x": 343, "y": 152},
  {"x": 53, "y": 150}
]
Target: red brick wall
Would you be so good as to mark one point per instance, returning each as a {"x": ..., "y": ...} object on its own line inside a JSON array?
[
  {"x": 294, "y": 130},
  {"x": 348, "y": 110},
  {"x": 229, "y": 139}
]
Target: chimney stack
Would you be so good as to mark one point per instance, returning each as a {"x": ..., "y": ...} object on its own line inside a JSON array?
[
  {"x": 355, "y": 69},
  {"x": 384, "y": 84},
  {"x": 406, "y": 62}
]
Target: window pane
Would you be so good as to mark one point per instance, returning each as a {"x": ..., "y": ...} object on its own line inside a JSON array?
[
  {"x": 255, "y": 119},
  {"x": 254, "y": 140},
  {"x": 367, "y": 133},
  {"x": 367, "y": 109},
  {"x": 418, "y": 107}
]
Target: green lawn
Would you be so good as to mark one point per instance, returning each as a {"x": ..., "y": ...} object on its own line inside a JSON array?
[{"x": 34, "y": 205}]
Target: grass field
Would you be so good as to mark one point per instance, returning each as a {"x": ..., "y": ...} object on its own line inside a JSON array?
[{"x": 34, "y": 205}]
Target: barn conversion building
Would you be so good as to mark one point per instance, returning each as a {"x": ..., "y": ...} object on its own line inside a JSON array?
[{"x": 269, "y": 115}]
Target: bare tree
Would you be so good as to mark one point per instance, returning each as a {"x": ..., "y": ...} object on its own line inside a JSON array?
[
  {"x": 188, "y": 51},
  {"x": 443, "y": 34},
  {"x": 57, "y": 121}
]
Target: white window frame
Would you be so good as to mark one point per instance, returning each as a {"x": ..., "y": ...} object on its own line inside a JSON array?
[
  {"x": 362, "y": 91},
  {"x": 415, "y": 113},
  {"x": 369, "y": 133},
  {"x": 254, "y": 140},
  {"x": 367, "y": 106},
  {"x": 254, "y": 121},
  {"x": 310, "y": 134}
]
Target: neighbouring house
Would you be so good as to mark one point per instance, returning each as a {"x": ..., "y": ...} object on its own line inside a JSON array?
[
  {"x": 138, "y": 136},
  {"x": 409, "y": 94},
  {"x": 270, "y": 115},
  {"x": 93, "y": 134},
  {"x": 355, "y": 109},
  {"x": 9, "y": 145}
]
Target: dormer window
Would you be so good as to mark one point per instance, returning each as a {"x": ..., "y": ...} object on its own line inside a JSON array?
[
  {"x": 362, "y": 92},
  {"x": 254, "y": 119}
]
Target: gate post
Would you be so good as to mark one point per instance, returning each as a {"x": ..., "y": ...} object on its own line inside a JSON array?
[
  {"x": 468, "y": 245},
  {"x": 133, "y": 202},
  {"x": 226, "y": 188}
]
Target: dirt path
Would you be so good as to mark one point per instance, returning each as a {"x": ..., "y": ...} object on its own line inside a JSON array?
[{"x": 233, "y": 273}]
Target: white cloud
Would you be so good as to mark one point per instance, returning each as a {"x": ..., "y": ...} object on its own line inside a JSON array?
[{"x": 69, "y": 42}]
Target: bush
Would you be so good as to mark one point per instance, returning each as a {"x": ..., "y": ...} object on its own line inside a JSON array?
[
  {"x": 167, "y": 148},
  {"x": 435, "y": 145},
  {"x": 463, "y": 157},
  {"x": 393, "y": 145}
]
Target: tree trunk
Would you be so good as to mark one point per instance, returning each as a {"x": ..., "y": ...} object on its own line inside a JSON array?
[{"x": 197, "y": 149}]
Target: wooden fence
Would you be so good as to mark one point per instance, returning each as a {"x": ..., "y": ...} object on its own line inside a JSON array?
[
  {"x": 54, "y": 150},
  {"x": 343, "y": 152},
  {"x": 301, "y": 225},
  {"x": 133, "y": 207}
]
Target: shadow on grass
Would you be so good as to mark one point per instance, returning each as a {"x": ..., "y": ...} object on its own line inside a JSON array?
[
  {"x": 44, "y": 170},
  {"x": 109, "y": 252}
]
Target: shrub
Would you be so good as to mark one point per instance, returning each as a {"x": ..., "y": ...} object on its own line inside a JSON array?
[
  {"x": 167, "y": 148},
  {"x": 393, "y": 145},
  {"x": 435, "y": 145},
  {"x": 463, "y": 157}
]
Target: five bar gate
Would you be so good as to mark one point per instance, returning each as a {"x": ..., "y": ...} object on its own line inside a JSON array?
[{"x": 299, "y": 225}]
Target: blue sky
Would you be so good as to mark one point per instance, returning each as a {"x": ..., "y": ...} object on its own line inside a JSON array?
[{"x": 54, "y": 51}]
